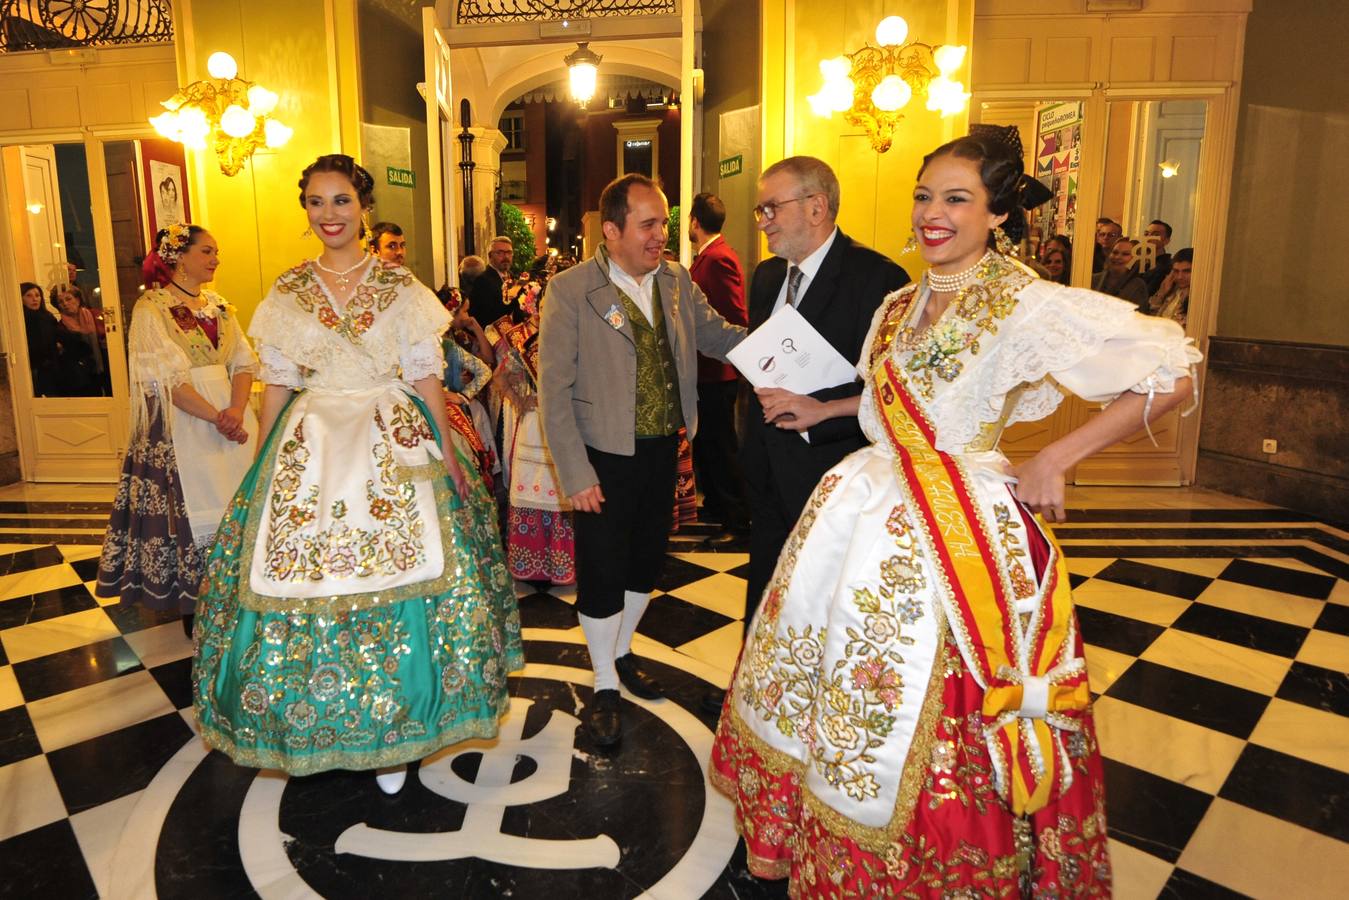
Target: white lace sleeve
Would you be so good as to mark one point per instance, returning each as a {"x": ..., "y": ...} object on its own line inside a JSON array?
[
  {"x": 1064, "y": 340},
  {"x": 423, "y": 359},
  {"x": 277, "y": 369}
]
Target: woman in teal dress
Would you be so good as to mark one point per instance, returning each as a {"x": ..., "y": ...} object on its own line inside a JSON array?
[{"x": 357, "y": 612}]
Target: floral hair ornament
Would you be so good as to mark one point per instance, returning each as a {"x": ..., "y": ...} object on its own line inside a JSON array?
[{"x": 175, "y": 241}]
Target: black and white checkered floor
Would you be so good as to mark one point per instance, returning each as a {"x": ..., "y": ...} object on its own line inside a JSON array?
[{"x": 1218, "y": 645}]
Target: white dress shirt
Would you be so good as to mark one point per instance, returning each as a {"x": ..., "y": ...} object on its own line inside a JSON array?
[
  {"x": 639, "y": 292},
  {"x": 808, "y": 266}
]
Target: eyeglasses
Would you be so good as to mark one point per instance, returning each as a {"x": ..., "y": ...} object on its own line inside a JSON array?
[{"x": 767, "y": 212}]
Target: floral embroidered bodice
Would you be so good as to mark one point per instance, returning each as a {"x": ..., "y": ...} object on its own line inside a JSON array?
[
  {"x": 1009, "y": 347},
  {"x": 388, "y": 329}
]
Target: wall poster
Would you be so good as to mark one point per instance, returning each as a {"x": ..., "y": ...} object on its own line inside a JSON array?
[
  {"x": 1058, "y": 150},
  {"x": 166, "y": 199}
]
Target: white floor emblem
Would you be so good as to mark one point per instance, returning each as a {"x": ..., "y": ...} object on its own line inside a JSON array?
[{"x": 487, "y": 797}]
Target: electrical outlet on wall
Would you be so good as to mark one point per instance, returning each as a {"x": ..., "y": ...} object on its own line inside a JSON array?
[{"x": 1269, "y": 445}]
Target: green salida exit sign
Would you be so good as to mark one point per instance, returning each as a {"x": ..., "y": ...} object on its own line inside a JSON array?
[
  {"x": 402, "y": 177},
  {"x": 732, "y": 165}
]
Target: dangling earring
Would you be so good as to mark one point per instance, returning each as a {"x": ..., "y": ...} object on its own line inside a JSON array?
[
  {"x": 1001, "y": 242},
  {"x": 912, "y": 245},
  {"x": 307, "y": 233}
]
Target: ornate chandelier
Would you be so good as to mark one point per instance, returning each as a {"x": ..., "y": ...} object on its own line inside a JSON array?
[
  {"x": 224, "y": 110},
  {"x": 871, "y": 85}
]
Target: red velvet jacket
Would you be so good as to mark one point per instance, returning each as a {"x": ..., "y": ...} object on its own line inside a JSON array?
[{"x": 717, "y": 271}]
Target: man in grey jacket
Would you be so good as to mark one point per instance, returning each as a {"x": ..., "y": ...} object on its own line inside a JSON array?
[{"x": 618, "y": 360}]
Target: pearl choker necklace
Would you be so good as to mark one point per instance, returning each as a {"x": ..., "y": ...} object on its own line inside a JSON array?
[
  {"x": 949, "y": 284},
  {"x": 342, "y": 278}
]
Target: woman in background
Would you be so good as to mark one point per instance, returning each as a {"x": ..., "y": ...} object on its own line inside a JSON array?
[
  {"x": 44, "y": 350},
  {"x": 192, "y": 433}
]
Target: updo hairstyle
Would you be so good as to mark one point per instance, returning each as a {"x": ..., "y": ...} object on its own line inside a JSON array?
[
  {"x": 997, "y": 151},
  {"x": 175, "y": 240},
  {"x": 360, "y": 179}
]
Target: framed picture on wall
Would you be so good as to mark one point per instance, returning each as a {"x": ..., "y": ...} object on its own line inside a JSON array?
[{"x": 166, "y": 192}]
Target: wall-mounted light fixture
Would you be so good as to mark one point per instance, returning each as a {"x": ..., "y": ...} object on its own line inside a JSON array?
[
  {"x": 871, "y": 85},
  {"x": 232, "y": 114}
]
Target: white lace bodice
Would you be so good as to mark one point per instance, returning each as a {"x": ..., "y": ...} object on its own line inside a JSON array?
[
  {"x": 1055, "y": 340},
  {"x": 389, "y": 328}
]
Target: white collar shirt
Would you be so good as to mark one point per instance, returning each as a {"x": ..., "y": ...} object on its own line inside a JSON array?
[
  {"x": 809, "y": 267},
  {"x": 639, "y": 292}
]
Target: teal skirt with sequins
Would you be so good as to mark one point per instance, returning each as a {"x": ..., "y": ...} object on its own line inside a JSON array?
[{"x": 358, "y": 682}]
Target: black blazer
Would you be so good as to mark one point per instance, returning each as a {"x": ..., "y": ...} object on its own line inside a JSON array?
[
  {"x": 839, "y": 302},
  {"x": 486, "y": 303}
]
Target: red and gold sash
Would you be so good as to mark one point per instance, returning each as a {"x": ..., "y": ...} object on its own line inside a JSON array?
[{"x": 1033, "y": 684}]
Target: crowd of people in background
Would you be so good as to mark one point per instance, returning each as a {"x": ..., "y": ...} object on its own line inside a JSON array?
[{"x": 1140, "y": 271}]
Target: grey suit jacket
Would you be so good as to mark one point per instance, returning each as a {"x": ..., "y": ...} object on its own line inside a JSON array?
[{"x": 588, "y": 367}]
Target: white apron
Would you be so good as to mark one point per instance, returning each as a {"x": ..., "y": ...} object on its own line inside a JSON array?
[{"x": 210, "y": 466}]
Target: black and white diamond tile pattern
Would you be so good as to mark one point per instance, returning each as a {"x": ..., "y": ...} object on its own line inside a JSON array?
[{"x": 1217, "y": 643}]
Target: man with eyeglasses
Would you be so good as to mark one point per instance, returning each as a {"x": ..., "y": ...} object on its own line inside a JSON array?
[{"x": 836, "y": 284}]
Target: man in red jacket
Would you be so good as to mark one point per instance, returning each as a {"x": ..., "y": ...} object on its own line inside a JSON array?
[{"x": 716, "y": 269}]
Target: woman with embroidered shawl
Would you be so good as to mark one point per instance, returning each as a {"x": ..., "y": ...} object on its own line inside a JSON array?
[
  {"x": 192, "y": 433},
  {"x": 540, "y": 537},
  {"x": 910, "y": 715},
  {"x": 357, "y": 612}
]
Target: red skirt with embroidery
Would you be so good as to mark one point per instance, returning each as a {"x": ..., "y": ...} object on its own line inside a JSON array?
[
  {"x": 541, "y": 545},
  {"x": 961, "y": 839}
]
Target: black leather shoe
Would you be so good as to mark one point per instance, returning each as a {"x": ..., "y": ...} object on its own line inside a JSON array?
[
  {"x": 725, "y": 538},
  {"x": 712, "y": 701},
  {"x": 635, "y": 679},
  {"x": 603, "y": 720}
]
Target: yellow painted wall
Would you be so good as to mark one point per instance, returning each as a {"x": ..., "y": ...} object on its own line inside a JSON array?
[
  {"x": 306, "y": 51},
  {"x": 876, "y": 187},
  {"x": 18, "y": 213}
]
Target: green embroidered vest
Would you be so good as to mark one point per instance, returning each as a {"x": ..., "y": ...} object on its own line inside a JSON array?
[{"x": 658, "y": 406}]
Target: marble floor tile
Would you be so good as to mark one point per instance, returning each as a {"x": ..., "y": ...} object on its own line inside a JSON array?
[
  {"x": 1189, "y": 754},
  {"x": 85, "y": 782},
  {"x": 1208, "y": 568},
  {"x": 1241, "y": 629},
  {"x": 86, "y": 713},
  {"x": 1203, "y": 701},
  {"x": 1104, "y": 667},
  {"x": 717, "y": 562},
  {"x": 1086, "y": 565},
  {"x": 1329, "y": 651},
  {"x": 98, "y": 831},
  {"x": 10, "y": 695},
  {"x": 1267, "y": 604},
  {"x": 54, "y": 635},
  {"x": 721, "y": 593},
  {"x": 1297, "y": 730},
  {"x": 77, "y": 552},
  {"x": 1151, "y": 813},
  {"x": 1119, "y": 633},
  {"x": 160, "y": 644},
  {"x": 18, "y": 739},
  {"x": 28, "y": 797},
  {"x": 1154, "y": 578},
  {"x": 67, "y": 670},
  {"x": 1334, "y": 618},
  {"x": 1130, "y": 602},
  {"x": 33, "y": 608},
  {"x": 37, "y": 580},
  {"x": 719, "y": 649},
  {"x": 47, "y": 863},
  {"x": 1219, "y": 660},
  {"x": 1340, "y": 593},
  {"x": 1291, "y": 788},
  {"x": 1317, "y": 687},
  {"x": 1264, "y": 857},
  {"x": 1137, "y": 875},
  {"x": 1316, "y": 586}
]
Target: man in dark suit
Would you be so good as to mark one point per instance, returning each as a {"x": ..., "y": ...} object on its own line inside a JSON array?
[
  {"x": 716, "y": 269},
  {"x": 836, "y": 284},
  {"x": 487, "y": 296}
]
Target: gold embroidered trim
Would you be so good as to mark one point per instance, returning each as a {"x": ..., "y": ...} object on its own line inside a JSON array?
[
  {"x": 398, "y": 754},
  {"x": 424, "y": 472}
]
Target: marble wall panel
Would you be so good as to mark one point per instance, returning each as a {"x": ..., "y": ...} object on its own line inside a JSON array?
[{"x": 1296, "y": 394}]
